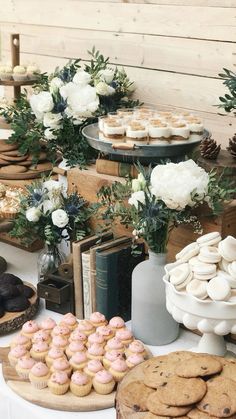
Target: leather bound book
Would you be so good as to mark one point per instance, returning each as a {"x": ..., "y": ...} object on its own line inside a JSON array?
[{"x": 115, "y": 168}]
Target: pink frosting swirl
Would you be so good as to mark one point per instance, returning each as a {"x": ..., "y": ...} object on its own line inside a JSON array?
[
  {"x": 40, "y": 346},
  {"x": 69, "y": 319},
  {"x": 96, "y": 338},
  {"x": 94, "y": 365},
  {"x": 105, "y": 330},
  {"x": 103, "y": 376},
  {"x": 135, "y": 359},
  {"x": 77, "y": 335},
  {"x": 119, "y": 365},
  {"x": 76, "y": 346},
  {"x": 30, "y": 327},
  {"x": 96, "y": 349},
  {"x": 39, "y": 369},
  {"x": 97, "y": 317},
  {"x": 115, "y": 343},
  {"x": 85, "y": 325},
  {"x": 78, "y": 358},
  {"x": 42, "y": 335},
  {"x": 61, "y": 331},
  {"x": 48, "y": 324},
  {"x": 55, "y": 353},
  {"x": 136, "y": 346},
  {"x": 117, "y": 322},
  {"x": 79, "y": 378},
  {"x": 26, "y": 362},
  {"x": 20, "y": 340},
  {"x": 59, "y": 377},
  {"x": 59, "y": 341},
  {"x": 18, "y": 351},
  {"x": 113, "y": 355},
  {"x": 60, "y": 364},
  {"x": 124, "y": 334}
]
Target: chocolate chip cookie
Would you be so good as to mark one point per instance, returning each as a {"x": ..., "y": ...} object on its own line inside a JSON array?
[{"x": 200, "y": 366}]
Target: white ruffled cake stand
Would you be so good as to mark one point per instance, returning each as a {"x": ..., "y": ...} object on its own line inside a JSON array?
[{"x": 214, "y": 319}]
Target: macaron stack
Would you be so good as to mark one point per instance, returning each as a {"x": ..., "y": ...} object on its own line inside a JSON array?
[{"x": 206, "y": 269}]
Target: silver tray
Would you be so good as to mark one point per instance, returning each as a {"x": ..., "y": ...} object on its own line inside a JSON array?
[{"x": 175, "y": 150}]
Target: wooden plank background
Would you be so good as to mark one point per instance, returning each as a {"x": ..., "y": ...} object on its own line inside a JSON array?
[{"x": 173, "y": 49}]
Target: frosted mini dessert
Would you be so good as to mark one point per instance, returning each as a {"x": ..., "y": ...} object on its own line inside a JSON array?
[
  {"x": 59, "y": 383},
  {"x": 16, "y": 353},
  {"x": 78, "y": 361},
  {"x": 81, "y": 384},
  {"x": 29, "y": 328},
  {"x": 118, "y": 369},
  {"x": 39, "y": 375},
  {"x": 180, "y": 129},
  {"x": 134, "y": 360},
  {"x": 69, "y": 321},
  {"x": 103, "y": 382},
  {"x": 86, "y": 327},
  {"x": 75, "y": 346},
  {"x": 194, "y": 124},
  {"x": 117, "y": 323},
  {"x": 116, "y": 344},
  {"x": 96, "y": 338},
  {"x": 106, "y": 332},
  {"x": 61, "y": 364},
  {"x": 32, "y": 71},
  {"x": 78, "y": 336},
  {"x": 61, "y": 331},
  {"x": 41, "y": 335},
  {"x": 5, "y": 72},
  {"x": 136, "y": 347},
  {"x": 111, "y": 356},
  {"x": 53, "y": 353},
  {"x": 48, "y": 324},
  {"x": 22, "y": 341},
  {"x": 39, "y": 351},
  {"x": 93, "y": 366},
  {"x": 136, "y": 133},
  {"x": 98, "y": 319},
  {"x": 96, "y": 351},
  {"x": 19, "y": 73},
  {"x": 59, "y": 342},
  {"x": 24, "y": 366},
  {"x": 158, "y": 129},
  {"x": 113, "y": 129},
  {"x": 125, "y": 335}
]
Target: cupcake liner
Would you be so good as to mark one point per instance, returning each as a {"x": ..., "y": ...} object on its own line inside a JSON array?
[
  {"x": 101, "y": 388},
  {"x": 77, "y": 367},
  {"x": 5, "y": 77},
  {"x": 23, "y": 373},
  {"x": 80, "y": 391},
  {"x": 37, "y": 356},
  {"x": 58, "y": 389},
  {"x": 117, "y": 375},
  {"x": 19, "y": 77},
  {"x": 12, "y": 361},
  {"x": 39, "y": 385}
]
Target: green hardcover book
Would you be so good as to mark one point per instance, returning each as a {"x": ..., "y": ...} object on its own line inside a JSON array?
[{"x": 113, "y": 281}]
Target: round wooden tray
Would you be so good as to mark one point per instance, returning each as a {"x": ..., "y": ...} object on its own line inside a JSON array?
[
  {"x": 68, "y": 402},
  {"x": 12, "y": 321}
]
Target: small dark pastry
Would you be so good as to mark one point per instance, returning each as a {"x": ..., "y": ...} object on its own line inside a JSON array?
[
  {"x": 21, "y": 288},
  {"x": 19, "y": 303},
  {"x": 28, "y": 291},
  {"x": 3, "y": 265},
  {"x": 8, "y": 291},
  {"x": 10, "y": 279},
  {"x": 2, "y": 311}
]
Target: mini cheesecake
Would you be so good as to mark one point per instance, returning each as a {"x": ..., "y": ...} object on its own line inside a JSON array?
[
  {"x": 158, "y": 129},
  {"x": 101, "y": 121},
  {"x": 195, "y": 124},
  {"x": 179, "y": 130},
  {"x": 113, "y": 130},
  {"x": 136, "y": 133}
]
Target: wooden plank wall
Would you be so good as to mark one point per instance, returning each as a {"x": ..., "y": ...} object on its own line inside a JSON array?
[{"x": 173, "y": 49}]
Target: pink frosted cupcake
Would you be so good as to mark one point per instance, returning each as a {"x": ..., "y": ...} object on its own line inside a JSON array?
[
  {"x": 78, "y": 361},
  {"x": 136, "y": 347},
  {"x": 39, "y": 351},
  {"x": 29, "y": 328},
  {"x": 75, "y": 346},
  {"x": 48, "y": 324},
  {"x": 39, "y": 375},
  {"x": 110, "y": 357},
  {"x": 95, "y": 338},
  {"x": 93, "y": 366},
  {"x": 59, "y": 342},
  {"x": 59, "y": 383},
  {"x": 118, "y": 369},
  {"x": 41, "y": 336},
  {"x": 69, "y": 320},
  {"x": 134, "y": 360},
  {"x": 116, "y": 344},
  {"x": 81, "y": 384},
  {"x": 125, "y": 335},
  {"x": 16, "y": 353},
  {"x": 53, "y": 353},
  {"x": 61, "y": 331},
  {"x": 106, "y": 332},
  {"x": 103, "y": 382},
  {"x": 86, "y": 327},
  {"x": 98, "y": 319},
  {"x": 61, "y": 364},
  {"x": 78, "y": 336},
  {"x": 22, "y": 341},
  {"x": 24, "y": 366},
  {"x": 117, "y": 323},
  {"x": 95, "y": 351}
]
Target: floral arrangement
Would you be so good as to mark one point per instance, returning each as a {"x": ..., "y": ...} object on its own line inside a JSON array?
[
  {"x": 63, "y": 103},
  {"x": 228, "y": 101},
  {"x": 46, "y": 213},
  {"x": 163, "y": 198}
]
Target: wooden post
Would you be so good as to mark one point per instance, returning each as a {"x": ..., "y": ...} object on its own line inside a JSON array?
[{"x": 15, "y": 57}]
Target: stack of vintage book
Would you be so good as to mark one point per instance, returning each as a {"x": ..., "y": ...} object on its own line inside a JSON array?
[{"x": 102, "y": 275}]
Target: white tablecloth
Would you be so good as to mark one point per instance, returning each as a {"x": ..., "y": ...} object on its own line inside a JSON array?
[{"x": 24, "y": 264}]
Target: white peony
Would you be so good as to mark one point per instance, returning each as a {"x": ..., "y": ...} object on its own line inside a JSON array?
[
  {"x": 52, "y": 120},
  {"x": 48, "y": 134},
  {"x": 41, "y": 103},
  {"x": 60, "y": 218},
  {"x": 55, "y": 85},
  {"x": 51, "y": 185},
  {"x": 67, "y": 89},
  {"x": 137, "y": 197},
  {"x": 139, "y": 184},
  {"x": 83, "y": 101},
  {"x": 47, "y": 206},
  {"x": 33, "y": 214},
  {"x": 107, "y": 75},
  {"x": 104, "y": 90},
  {"x": 177, "y": 183},
  {"x": 82, "y": 78}
]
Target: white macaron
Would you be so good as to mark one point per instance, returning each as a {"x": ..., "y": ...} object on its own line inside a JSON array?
[
  {"x": 204, "y": 271},
  {"x": 188, "y": 252},
  {"x": 179, "y": 274},
  {"x": 218, "y": 289},
  {"x": 197, "y": 288},
  {"x": 209, "y": 254},
  {"x": 209, "y": 239},
  {"x": 228, "y": 277},
  {"x": 227, "y": 248},
  {"x": 232, "y": 269},
  {"x": 223, "y": 265},
  {"x": 183, "y": 285}
]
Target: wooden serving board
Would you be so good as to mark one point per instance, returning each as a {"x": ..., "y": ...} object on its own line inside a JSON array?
[
  {"x": 30, "y": 174},
  {"x": 12, "y": 321},
  {"x": 68, "y": 402}
]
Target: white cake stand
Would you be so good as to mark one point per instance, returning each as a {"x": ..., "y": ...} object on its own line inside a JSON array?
[{"x": 214, "y": 319}]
